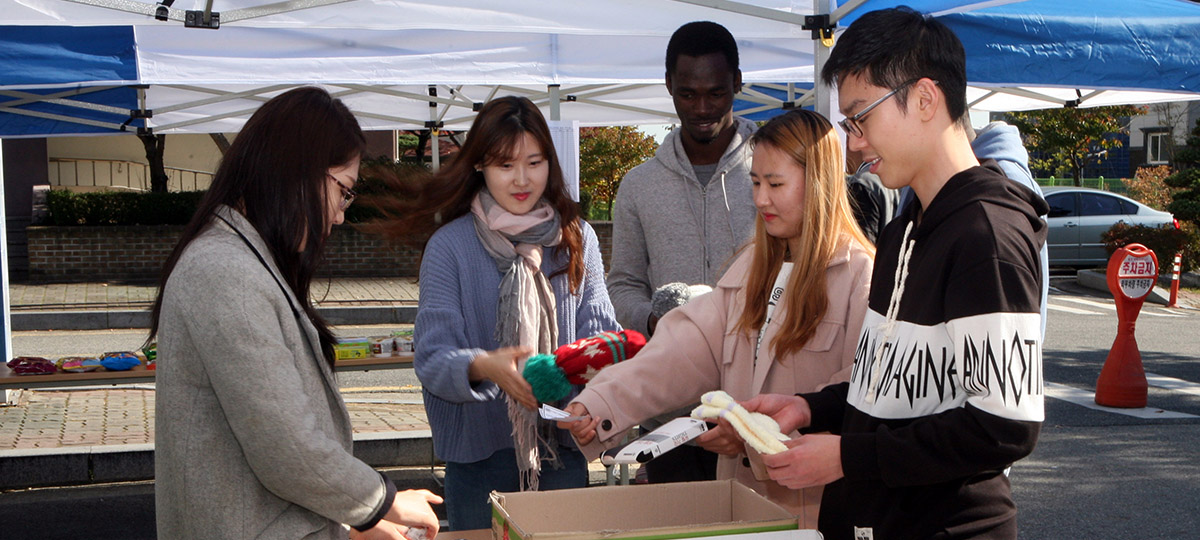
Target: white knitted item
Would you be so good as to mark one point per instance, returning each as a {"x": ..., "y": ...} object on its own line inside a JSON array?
[{"x": 760, "y": 431}]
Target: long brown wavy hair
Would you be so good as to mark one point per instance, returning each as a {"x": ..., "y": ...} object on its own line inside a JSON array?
[
  {"x": 828, "y": 225},
  {"x": 425, "y": 203}
]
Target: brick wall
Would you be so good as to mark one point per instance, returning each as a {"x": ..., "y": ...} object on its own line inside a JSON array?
[
  {"x": 604, "y": 235},
  {"x": 137, "y": 253}
]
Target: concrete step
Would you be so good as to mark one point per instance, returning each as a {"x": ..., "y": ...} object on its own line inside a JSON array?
[
  {"x": 68, "y": 466},
  {"x": 407, "y": 457}
]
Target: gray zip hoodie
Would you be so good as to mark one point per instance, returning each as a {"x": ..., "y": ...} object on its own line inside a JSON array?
[{"x": 668, "y": 228}]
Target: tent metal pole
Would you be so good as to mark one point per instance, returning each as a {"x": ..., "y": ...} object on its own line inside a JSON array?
[
  {"x": 555, "y": 102},
  {"x": 25, "y": 98},
  {"x": 821, "y": 91},
  {"x": 434, "y": 147},
  {"x": 220, "y": 96},
  {"x": 10, "y": 396},
  {"x": 844, "y": 10},
  {"x": 131, "y": 6},
  {"x": 63, "y": 118},
  {"x": 669, "y": 117}
]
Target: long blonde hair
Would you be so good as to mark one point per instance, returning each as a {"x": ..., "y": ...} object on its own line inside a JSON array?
[{"x": 828, "y": 224}]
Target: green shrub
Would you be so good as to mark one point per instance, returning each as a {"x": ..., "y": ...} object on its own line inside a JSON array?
[
  {"x": 176, "y": 208},
  {"x": 121, "y": 207},
  {"x": 1165, "y": 242}
]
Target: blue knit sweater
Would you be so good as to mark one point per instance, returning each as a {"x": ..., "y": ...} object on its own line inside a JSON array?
[{"x": 456, "y": 320}]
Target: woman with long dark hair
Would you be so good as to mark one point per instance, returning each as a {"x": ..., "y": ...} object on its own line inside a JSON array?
[
  {"x": 512, "y": 271},
  {"x": 252, "y": 438}
]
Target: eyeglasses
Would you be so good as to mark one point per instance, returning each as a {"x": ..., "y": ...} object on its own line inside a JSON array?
[
  {"x": 851, "y": 124},
  {"x": 348, "y": 195}
]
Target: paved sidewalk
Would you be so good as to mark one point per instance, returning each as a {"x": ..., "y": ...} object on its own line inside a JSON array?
[
  {"x": 124, "y": 415},
  {"x": 106, "y": 434}
]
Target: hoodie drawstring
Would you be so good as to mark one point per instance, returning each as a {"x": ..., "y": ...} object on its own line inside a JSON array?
[
  {"x": 889, "y": 324},
  {"x": 728, "y": 212}
]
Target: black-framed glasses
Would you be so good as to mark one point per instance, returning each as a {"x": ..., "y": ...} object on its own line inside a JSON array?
[
  {"x": 348, "y": 195},
  {"x": 851, "y": 125}
]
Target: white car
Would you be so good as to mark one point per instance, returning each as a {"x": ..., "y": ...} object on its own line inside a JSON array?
[{"x": 1079, "y": 216}]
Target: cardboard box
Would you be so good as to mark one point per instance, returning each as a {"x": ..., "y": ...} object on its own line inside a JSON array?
[{"x": 650, "y": 511}]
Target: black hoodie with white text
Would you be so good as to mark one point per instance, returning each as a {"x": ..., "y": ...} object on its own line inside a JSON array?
[{"x": 946, "y": 389}]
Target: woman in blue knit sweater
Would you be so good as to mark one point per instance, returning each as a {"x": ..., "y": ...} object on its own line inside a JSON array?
[{"x": 512, "y": 272}]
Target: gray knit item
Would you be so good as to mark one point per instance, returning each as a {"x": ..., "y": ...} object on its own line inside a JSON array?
[{"x": 668, "y": 297}]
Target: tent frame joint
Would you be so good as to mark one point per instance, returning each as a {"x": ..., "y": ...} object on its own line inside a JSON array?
[
  {"x": 162, "y": 11},
  {"x": 820, "y": 25},
  {"x": 194, "y": 18}
]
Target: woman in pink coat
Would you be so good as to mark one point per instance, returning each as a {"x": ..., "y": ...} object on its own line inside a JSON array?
[{"x": 783, "y": 319}]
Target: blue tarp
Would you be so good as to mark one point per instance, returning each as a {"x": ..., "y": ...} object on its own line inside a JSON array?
[
  {"x": 66, "y": 55},
  {"x": 740, "y": 105},
  {"x": 75, "y": 63},
  {"x": 1101, "y": 44}
]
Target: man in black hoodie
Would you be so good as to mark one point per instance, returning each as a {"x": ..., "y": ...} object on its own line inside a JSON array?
[{"x": 946, "y": 390}]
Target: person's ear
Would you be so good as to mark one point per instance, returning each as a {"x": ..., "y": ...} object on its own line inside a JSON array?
[
  {"x": 667, "y": 79},
  {"x": 737, "y": 82},
  {"x": 928, "y": 98}
]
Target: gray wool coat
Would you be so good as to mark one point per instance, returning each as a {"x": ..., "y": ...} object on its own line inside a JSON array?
[{"x": 252, "y": 438}]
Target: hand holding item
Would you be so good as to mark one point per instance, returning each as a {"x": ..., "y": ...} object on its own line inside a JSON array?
[
  {"x": 411, "y": 508},
  {"x": 551, "y": 376},
  {"x": 790, "y": 412},
  {"x": 722, "y": 439},
  {"x": 759, "y": 431},
  {"x": 384, "y": 530},
  {"x": 811, "y": 460},
  {"x": 583, "y": 430},
  {"x": 500, "y": 367}
]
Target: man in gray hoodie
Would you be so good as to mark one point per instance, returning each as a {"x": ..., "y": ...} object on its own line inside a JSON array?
[{"x": 681, "y": 216}]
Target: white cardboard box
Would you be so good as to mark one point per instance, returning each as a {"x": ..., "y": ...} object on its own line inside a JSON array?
[{"x": 657, "y": 442}]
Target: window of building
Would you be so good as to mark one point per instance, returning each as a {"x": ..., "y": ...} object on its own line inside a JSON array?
[{"x": 1157, "y": 147}]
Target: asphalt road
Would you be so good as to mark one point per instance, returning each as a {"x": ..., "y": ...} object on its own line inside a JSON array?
[
  {"x": 1095, "y": 474},
  {"x": 1102, "y": 474}
]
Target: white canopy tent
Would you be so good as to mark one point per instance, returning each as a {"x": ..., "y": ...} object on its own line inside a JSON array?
[{"x": 598, "y": 62}]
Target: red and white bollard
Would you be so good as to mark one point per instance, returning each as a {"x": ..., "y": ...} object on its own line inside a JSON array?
[
  {"x": 1132, "y": 271},
  {"x": 1175, "y": 280}
]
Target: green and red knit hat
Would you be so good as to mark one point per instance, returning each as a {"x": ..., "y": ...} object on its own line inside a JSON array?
[{"x": 551, "y": 375}]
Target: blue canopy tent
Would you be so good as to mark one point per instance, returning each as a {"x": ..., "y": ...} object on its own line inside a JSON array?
[
  {"x": 72, "y": 80},
  {"x": 1074, "y": 52}
]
